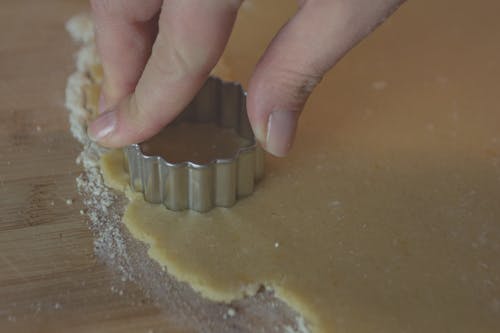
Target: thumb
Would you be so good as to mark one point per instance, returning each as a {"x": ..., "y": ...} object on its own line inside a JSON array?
[{"x": 319, "y": 34}]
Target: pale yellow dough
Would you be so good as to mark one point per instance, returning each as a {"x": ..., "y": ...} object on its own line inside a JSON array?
[{"x": 386, "y": 216}]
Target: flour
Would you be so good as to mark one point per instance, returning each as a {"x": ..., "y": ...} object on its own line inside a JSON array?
[
  {"x": 102, "y": 206},
  {"x": 114, "y": 246}
]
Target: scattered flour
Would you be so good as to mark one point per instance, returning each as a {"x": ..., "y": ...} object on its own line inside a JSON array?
[
  {"x": 97, "y": 198},
  {"x": 379, "y": 85},
  {"x": 104, "y": 210},
  {"x": 231, "y": 312}
]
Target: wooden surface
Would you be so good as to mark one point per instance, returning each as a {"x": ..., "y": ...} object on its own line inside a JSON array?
[{"x": 49, "y": 278}]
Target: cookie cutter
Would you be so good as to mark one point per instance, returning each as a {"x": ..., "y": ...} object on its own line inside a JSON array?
[{"x": 201, "y": 187}]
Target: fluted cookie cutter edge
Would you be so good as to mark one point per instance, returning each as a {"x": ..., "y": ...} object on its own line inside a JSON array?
[{"x": 201, "y": 187}]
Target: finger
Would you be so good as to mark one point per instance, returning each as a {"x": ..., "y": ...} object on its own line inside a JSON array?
[
  {"x": 303, "y": 51},
  {"x": 125, "y": 32},
  {"x": 192, "y": 35}
]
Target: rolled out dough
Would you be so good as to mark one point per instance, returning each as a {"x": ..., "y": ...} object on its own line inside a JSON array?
[{"x": 386, "y": 216}]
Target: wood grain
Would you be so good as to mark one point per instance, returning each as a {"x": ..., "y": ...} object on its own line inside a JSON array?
[{"x": 50, "y": 280}]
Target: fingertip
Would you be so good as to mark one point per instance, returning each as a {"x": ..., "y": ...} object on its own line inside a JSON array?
[
  {"x": 281, "y": 128},
  {"x": 103, "y": 127},
  {"x": 275, "y": 101},
  {"x": 256, "y": 108}
]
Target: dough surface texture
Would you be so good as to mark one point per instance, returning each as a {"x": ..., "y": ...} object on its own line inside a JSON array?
[{"x": 386, "y": 215}]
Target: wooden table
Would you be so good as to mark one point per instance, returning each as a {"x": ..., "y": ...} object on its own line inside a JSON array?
[{"x": 49, "y": 278}]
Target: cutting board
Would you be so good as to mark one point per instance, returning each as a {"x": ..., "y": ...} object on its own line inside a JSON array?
[{"x": 50, "y": 280}]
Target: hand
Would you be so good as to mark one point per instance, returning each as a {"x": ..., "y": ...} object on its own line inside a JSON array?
[{"x": 157, "y": 54}]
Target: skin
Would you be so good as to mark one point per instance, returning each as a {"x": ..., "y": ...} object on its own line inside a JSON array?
[{"x": 157, "y": 54}]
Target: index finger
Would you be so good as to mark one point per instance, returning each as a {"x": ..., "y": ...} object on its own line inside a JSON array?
[
  {"x": 125, "y": 32},
  {"x": 192, "y": 36}
]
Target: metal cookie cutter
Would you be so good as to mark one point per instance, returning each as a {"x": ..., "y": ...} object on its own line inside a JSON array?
[{"x": 201, "y": 187}]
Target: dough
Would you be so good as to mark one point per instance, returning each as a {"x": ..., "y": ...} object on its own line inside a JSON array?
[{"x": 386, "y": 216}]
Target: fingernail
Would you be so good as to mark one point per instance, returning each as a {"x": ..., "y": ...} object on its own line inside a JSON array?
[
  {"x": 281, "y": 132},
  {"x": 102, "y": 103},
  {"x": 102, "y": 126}
]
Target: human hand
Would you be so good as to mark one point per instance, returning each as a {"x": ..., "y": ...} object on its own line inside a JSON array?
[{"x": 157, "y": 54}]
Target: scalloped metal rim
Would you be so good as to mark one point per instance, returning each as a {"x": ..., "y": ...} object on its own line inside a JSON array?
[{"x": 201, "y": 187}]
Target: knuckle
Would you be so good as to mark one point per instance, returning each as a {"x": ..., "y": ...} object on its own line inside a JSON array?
[
  {"x": 297, "y": 85},
  {"x": 171, "y": 61},
  {"x": 135, "y": 108},
  {"x": 169, "y": 66},
  {"x": 135, "y": 114},
  {"x": 179, "y": 61}
]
